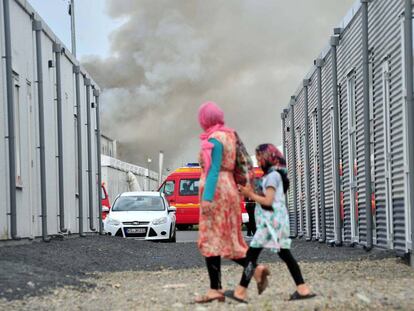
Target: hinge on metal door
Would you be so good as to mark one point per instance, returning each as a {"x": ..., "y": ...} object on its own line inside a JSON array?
[
  {"x": 354, "y": 185},
  {"x": 33, "y": 218},
  {"x": 388, "y": 156},
  {"x": 387, "y": 76},
  {"x": 406, "y": 169},
  {"x": 31, "y": 163}
]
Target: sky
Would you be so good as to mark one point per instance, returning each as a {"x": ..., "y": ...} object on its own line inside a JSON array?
[
  {"x": 158, "y": 61},
  {"x": 93, "y": 24}
]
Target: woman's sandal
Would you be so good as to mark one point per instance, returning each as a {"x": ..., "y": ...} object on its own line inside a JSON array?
[
  {"x": 264, "y": 282},
  {"x": 207, "y": 299},
  {"x": 230, "y": 294},
  {"x": 297, "y": 296}
]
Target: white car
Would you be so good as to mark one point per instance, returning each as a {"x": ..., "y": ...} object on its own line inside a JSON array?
[{"x": 143, "y": 215}]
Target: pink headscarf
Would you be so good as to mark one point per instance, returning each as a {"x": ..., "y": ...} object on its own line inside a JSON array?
[{"x": 211, "y": 119}]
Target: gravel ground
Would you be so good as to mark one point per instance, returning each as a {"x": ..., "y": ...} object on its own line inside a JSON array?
[{"x": 106, "y": 273}]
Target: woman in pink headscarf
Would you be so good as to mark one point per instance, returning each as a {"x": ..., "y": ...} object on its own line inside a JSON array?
[{"x": 220, "y": 212}]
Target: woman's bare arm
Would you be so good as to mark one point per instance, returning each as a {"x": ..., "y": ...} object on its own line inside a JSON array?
[{"x": 266, "y": 200}]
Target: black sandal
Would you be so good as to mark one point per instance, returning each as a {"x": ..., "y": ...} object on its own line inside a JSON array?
[
  {"x": 207, "y": 299},
  {"x": 230, "y": 294},
  {"x": 297, "y": 296}
]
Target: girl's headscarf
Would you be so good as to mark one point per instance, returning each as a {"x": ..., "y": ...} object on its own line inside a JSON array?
[
  {"x": 211, "y": 119},
  {"x": 273, "y": 157}
]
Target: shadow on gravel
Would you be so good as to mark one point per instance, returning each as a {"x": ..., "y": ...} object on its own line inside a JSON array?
[{"x": 37, "y": 268}]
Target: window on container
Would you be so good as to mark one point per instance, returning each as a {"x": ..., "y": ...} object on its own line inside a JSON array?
[
  {"x": 315, "y": 166},
  {"x": 299, "y": 158},
  {"x": 75, "y": 109},
  {"x": 352, "y": 121},
  {"x": 352, "y": 154},
  {"x": 75, "y": 134},
  {"x": 372, "y": 135},
  {"x": 387, "y": 146},
  {"x": 17, "y": 123},
  {"x": 30, "y": 124},
  {"x": 351, "y": 99},
  {"x": 332, "y": 124},
  {"x": 287, "y": 133},
  {"x": 408, "y": 224},
  {"x": 371, "y": 115},
  {"x": 371, "y": 86},
  {"x": 412, "y": 26},
  {"x": 298, "y": 162},
  {"x": 304, "y": 195},
  {"x": 287, "y": 155},
  {"x": 315, "y": 140},
  {"x": 303, "y": 162}
]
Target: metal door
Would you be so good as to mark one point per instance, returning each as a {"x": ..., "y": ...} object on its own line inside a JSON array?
[
  {"x": 407, "y": 209},
  {"x": 334, "y": 168},
  {"x": 352, "y": 157},
  {"x": 300, "y": 179},
  {"x": 387, "y": 151},
  {"x": 315, "y": 171},
  {"x": 33, "y": 175}
]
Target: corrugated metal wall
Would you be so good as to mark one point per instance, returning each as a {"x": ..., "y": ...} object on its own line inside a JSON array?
[
  {"x": 352, "y": 138},
  {"x": 327, "y": 141},
  {"x": 69, "y": 146},
  {"x": 387, "y": 126},
  {"x": 24, "y": 97},
  {"x": 388, "y": 122},
  {"x": 24, "y": 65},
  {"x": 300, "y": 162},
  {"x": 4, "y": 191},
  {"x": 289, "y": 127},
  {"x": 313, "y": 153}
]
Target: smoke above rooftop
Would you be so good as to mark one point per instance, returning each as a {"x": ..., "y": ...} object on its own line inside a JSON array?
[{"x": 168, "y": 57}]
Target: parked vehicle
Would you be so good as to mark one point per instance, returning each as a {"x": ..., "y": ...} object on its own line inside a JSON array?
[
  {"x": 181, "y": 189},
  {"x": 143, "y": 215},
  {"x": 106, "y": 206}
]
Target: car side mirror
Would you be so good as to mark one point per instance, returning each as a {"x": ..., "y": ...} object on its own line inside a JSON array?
[
  {"x": 105, "y": 209},
  {"x": 172, "y": 209}
]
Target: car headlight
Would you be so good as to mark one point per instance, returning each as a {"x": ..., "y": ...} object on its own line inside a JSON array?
[
  {"x": 159, "y": 221},
  {"x": 113, "y": 222}
]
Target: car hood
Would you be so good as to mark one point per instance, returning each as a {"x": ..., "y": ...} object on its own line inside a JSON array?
[{"x": 137, "y": 216}]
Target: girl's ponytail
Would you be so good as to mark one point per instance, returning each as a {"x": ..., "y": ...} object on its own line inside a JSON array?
[{"x": 285, "y": 179}]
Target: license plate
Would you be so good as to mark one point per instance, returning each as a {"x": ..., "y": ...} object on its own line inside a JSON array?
[{"x": 136, "y": 230}]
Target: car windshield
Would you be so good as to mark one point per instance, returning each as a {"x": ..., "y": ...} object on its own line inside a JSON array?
[{"x": 138, "y": 203}]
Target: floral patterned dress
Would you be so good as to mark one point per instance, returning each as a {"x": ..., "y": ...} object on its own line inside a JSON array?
[
  {"x": 220, "y": 231},
  {"x": 272, "y": 226}
]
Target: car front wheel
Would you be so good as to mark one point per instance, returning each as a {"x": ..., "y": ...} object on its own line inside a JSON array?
[{"x": 173, "y": 235}]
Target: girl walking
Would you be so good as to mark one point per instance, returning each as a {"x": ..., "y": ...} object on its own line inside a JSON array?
[
  {"x": 220, "y": 212},
  {"x": 272, "y": 222}
]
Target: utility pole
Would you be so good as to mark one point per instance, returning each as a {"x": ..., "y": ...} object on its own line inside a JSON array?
[{"x": 72, "y": 25}]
